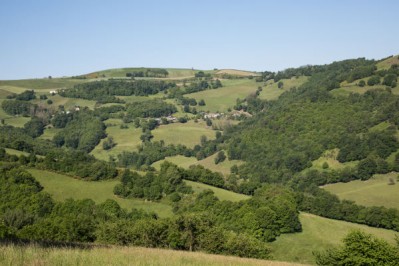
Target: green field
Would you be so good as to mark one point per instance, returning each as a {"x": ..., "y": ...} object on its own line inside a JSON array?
[
  {"x": 225, "y": 97},
  {"x": 119, "y": 256},
  {"x": 40, "y": 84},
  {"x": 126, "y": 139},
  {"x": 16, "y": 152},
  {"x": 70, "y": 103},
  {"x": 319, "y": 234},
  {"x": 222, "y": 194},
  {"x": 179, "y": 160},
  {"x": 330, "y": 157},
  {"x": 49, "y": 133},
  {"x": 188, "y": 134},
  {"x": 16, "y": 121},
  {"x": 209, "y": 162},
  {"x": 373, "y": 192},
  {"x": 223, "y": 167},
  {"x": 62, "y": 187},
  {"x": 272, "y": 92},
  {"x": 121, "y": 72}
]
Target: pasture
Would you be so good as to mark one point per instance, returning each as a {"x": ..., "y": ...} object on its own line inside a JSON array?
[
  {"x": 330, "y": 157},
  {"x": 319, "y": 234},
  {"x": 221, "y": 194},
  {"x": 62, "y": 187},
  {"x": 126, "y": 139},
  {"x": 373, "y": 192},
  {"x": 225, "y": 97},
  {"x": 119, "y": 256},
  {"x": 188, "y": 134},
  {"x": 40, "y": 84},
  {"x": 271, "y": 91}
]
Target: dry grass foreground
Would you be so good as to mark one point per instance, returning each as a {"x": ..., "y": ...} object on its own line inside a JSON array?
[{"x": 35, "y": 256}]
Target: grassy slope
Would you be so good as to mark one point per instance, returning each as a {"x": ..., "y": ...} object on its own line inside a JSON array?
[
  {"x": 209, "y": 162},
  {"x": 373, "y": 192},
  {"x": 62, "y": 187},
  {"x": 318, "y": 234},
  {"x": 271, "y": 90},
  {"x": 223, "y": 98},
  {"x": 39, "y": 84},
  {"x": 222, "y": 194},
  {"x": 330, "y": 157},
  {"x": 235, "y": 72},
  {"x": 121, "y": 72},
  {"x": 387, "y": 63},
  {"x": 119, "y": 256},
  {"x": 125, "y": 139},
  {"x": 188, "y": 134},
  {"x": 179, "y": 160}
]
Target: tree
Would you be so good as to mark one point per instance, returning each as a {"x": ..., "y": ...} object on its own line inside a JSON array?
[
  {"x": 201, "y": 102},
  {"x": 374, "y": 80},
  {"x": 360, "y": 249},
  {"x": 220, "y": 157},
  {"x": 108, "y": 143},
  {"x": 280, "y": 85},
  {"x": 362, "y": 83}
]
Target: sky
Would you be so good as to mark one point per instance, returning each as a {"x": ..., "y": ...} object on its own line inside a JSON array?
[{"x": 39, "y": 38}]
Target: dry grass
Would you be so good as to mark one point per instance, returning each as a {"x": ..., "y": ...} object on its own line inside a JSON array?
[
  {"x": 35, "y": 255},
  {"x": 387, "y": 63}
]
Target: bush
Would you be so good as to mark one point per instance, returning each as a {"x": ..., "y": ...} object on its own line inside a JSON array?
[{"x": 374, "y": 80}]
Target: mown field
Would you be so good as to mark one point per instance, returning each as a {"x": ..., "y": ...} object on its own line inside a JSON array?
[
  {"x": 188, "y": 134},
  {"x": 225, "y": 97},
  {"x": 119, "y": 256},
  {"x": 373, "y": 192},
  {"x": 319, "y": 234},
  {"x": 62, "y": 187}
]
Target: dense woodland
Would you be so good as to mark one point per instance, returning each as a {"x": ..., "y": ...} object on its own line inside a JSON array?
[{"x": 277, "y": 145}]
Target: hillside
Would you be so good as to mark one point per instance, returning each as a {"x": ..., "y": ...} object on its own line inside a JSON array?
[
  {"x": 219, "y": 161},
  {"x": 99, "y": 256}
]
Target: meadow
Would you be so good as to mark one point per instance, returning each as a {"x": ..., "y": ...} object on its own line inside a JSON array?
[
  {"x": 221, "y": 194},
  {"x": 188, "y": 134},
  {"x": 319, "y": 234},
  {"x": 118, "y": 256},
  {"x": 40, "y": 84},
  {"x": 330, "y": 157},
  {"x": 373, "y": 192},
  {"x": 271, "y": 91},
  {"x": 221, "y": 99},
  {"x": 126, "y": 139},
  {"x": 209, "y": 163},
  {"x": 62, "y": 187}
]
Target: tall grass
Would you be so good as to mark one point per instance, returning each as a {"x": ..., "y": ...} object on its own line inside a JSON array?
[{"x": 36, "y": 255}]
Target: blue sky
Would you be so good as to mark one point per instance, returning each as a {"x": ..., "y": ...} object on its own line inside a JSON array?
[{"x": 41, "y": 38}]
